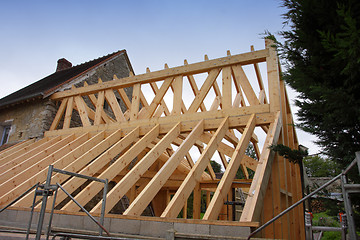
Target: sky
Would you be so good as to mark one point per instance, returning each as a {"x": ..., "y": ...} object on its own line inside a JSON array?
[{"x": 35, "y": 34}]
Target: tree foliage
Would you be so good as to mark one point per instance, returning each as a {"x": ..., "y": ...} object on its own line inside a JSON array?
[
  {"x": 316, "y": 166},
  {"x": 215, "y": 166},
  {"x": 322, "y": 51},
  {"x": 292, "y": 155}
]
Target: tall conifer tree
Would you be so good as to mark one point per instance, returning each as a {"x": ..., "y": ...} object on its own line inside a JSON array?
[{"x": 322, "y": 51}]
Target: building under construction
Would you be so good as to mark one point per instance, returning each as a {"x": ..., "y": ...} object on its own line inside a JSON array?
[{"x": 143, "y": 159}]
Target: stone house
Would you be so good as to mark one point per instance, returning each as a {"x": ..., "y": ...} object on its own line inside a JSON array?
[{"x": 28, "y": 112}]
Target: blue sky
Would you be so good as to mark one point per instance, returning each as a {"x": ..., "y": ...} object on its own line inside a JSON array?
[{"x": 35, "y": 34}]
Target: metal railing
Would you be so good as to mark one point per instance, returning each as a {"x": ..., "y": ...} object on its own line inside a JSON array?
[
  {"x": 48, "y": 189},
  {"x": 347, "y": 203}
]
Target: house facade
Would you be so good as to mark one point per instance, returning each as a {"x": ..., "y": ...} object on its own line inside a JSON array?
[{"x": 29, "y": 112}]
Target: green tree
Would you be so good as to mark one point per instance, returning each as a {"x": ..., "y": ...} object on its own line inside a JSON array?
[
  {"x": 316, "y": 166},
  {"x": 216, "y": 166},
  {"x": 322, "y": 51},
  {"x": 250, "y": 151}
]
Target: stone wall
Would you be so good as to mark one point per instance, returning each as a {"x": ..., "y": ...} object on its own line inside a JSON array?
[
  {"x": 33, "y": 118},
  {"x": 28, "y": 120}
]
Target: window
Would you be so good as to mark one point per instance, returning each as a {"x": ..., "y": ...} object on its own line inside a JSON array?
[{"x": 5, "y": 134}]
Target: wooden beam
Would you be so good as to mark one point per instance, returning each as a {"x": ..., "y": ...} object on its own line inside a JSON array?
[
  {"x": 177, "y": 87},
  {"x": 243, "y": 59},
  {"x": 10, "y": 150},
  {"x": 59, "y": 114},
  {"x": 211, "y": 78},
  {"x": 28, "y": 154},
  {"x": 62, "y": 157},
  {"x": 252, "y": 208},
  {"x": 273, "y": 76},
  {"x": 109, "y": 173},
  {"x": 159, "y": 95},
  {"x": 122, "y": 162},
  {"x": 241, "y": 79},
  {"x": 236, "y": 118},
  {"x": 195, "y": 90},
  {"x": 156, "y": 183},
  {"x": 68, "y": 113},
  {"x": 135, "y": 102},
  {"x": 259, "y": 78},
  {"x": 114, "y": 105},
  {"x": 226, "y": 88},
  {"x": 104, "y": 117},
  {"x": 21, "y": 165},
  {"x": 81, "y": 106},
  {"x": 124, "y": 97},
  {"x": 213, "y": 184},
  {"x": 138, "y": 170},
  {"x": 213, "y": 210},
  {"x": 99, "y": 107},
  {"x": 182, "y": 194},
  {"x": 21, "y": 149}
]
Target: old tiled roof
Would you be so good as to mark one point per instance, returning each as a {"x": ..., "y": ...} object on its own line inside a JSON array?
[{"x": 49, "y": 84}]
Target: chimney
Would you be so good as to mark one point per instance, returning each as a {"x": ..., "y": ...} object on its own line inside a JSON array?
[{"x": 63, "y": 64}]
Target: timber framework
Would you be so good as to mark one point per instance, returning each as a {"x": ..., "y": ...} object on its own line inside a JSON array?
[{"x": 156, "y": 153}]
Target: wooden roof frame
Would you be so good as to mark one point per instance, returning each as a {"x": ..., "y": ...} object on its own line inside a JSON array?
[{"x": 145, "y": 149}]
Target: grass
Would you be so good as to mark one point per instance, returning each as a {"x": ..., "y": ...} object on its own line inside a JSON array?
[{"x": 323, "y": 219}]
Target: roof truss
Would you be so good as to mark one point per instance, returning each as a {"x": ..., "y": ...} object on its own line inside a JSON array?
[{"x": 156, "y": 146}]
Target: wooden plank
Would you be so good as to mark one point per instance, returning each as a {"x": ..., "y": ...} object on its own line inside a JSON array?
[
  {"x": 216, "y": 104},
  {"x": 273, "y": 76},
  {"x": 211, "y": 78},
  {"x": 119, "y": 165},
  {"x": 252, "y": 208},
  {"x": 241, "y": 79},
  {"x": 268, "y": 211},
  {"x": 177, "y": 202},
  {"x": 143, "y": 101},
  {"x": 210, "y": 117},
  {"x": 226, "y": 88},
  {"x": 223, "y": 159},
  {"x": 68, "y": 113},
  {"x": 11, "y": 150},
  {"x": 40, "y": 176},
  {"x": 243, "y": 59},
  {"x": 239, "y": 183},
  {"x": 197, "y": 201},
  {"x": 124, "y": 97},
  {"x": 157, "y": 182},
  {"x": 300, "y": 207},
  {"x": 262, "y": 97},
  {"x": 81, "y": 106},
  {"x": 278, "y": 224},
  {"x": 104, "y": 117},
  {"x": 195, "y": 90},
  {"x": 213, "y": 210},
  {"x": 135, "y": 102},
  {"x": 28, "y": 154},
  {"x": 259, "y": 78},
  {"x": 114, "y": 105},
  {"x": 138, "y": 170},
  {"x": 21, "y": 149},
  {"x": 237, "y": 101},
  {"x": 162, "y": 102},
  {"x": 177, "y": 87},
  {"x": 117, "y": 146},
  {"x": 59, "y": 114},
  {"x": 99, "y": 107},
  {"x": 36, "y": 158},
  {"x": 159, "y": 95}
]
